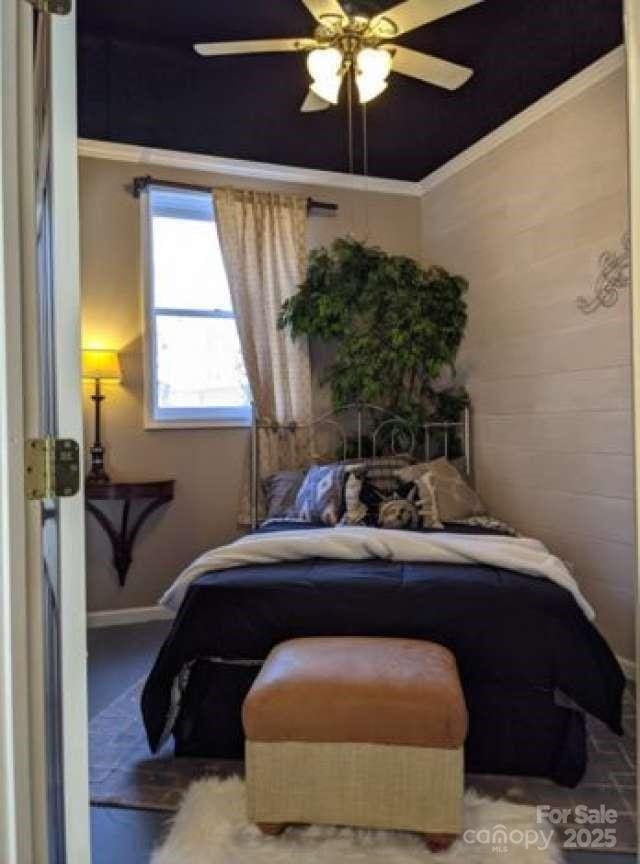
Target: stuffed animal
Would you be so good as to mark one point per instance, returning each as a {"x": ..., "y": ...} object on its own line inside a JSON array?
[
  {"x": 356, "y": 511},
  {"x": 398, "y": 513},
  {"x": 428, "y": 503}
]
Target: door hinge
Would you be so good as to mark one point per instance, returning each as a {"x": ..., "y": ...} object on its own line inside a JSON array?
[
  {"x": 52, "y": 468},
  {"x": 52, "y": 7}
]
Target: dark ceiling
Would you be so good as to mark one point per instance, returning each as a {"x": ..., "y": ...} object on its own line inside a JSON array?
[{"x": 141, "y": 83}]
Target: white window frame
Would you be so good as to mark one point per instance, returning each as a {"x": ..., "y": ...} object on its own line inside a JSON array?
[{"x": 173, "y": 418}]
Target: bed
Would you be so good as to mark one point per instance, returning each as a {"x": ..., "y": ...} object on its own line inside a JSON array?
[{"x": 530, "y": 659}]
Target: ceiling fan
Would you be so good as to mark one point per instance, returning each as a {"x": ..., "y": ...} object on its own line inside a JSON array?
[{"x": 356, "y": 45}]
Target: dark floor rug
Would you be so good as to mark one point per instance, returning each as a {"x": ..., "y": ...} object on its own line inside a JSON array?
[{"x": 124, "y": 774}]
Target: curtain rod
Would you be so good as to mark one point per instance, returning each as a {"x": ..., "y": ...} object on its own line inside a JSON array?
[{"x": 141, "y": 183}]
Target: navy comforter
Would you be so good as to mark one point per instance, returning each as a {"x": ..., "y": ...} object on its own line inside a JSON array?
[{"x": 529, "y": 660}]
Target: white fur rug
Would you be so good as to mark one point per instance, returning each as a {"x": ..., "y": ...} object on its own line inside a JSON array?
[{"x": 211, "y": 828}]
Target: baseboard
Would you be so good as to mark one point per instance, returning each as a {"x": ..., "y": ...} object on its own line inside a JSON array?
[
  {"x": 135, "y": 615},
  {"x": 628, "y": 667}
]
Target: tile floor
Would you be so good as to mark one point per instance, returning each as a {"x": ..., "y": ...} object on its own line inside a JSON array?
[{"x": 120, "y": 656}]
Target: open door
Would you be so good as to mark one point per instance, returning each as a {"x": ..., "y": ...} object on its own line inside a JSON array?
[{"x": 44, "y": 813}]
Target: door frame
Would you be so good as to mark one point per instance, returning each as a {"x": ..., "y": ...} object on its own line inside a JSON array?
[
  {"x": 16, "y": 842},
  {"x": 65, "y": 210},
  {"x": 632, "y": 44},
  {"x": 22, "y": 788}
]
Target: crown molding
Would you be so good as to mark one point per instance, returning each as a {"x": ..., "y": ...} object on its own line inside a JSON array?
[
  {"x": 598, "y": 71},
  {"x": 138, "y": 154}
]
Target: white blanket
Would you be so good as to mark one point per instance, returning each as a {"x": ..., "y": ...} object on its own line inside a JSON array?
[{"x": 356, "y": 543}]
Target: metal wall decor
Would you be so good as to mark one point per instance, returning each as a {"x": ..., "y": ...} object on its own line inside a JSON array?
[{"x": 614, "y": 275}]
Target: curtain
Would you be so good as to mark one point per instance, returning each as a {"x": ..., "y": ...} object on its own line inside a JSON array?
[{"x": 263, "y": 243}]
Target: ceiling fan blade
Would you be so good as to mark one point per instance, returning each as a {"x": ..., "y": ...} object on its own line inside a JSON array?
[
  {"x": 320, "y": 8},
  {"x": 415, "y": 13},
  {"x": 252, "y": 46},
  {"x": 313, "y": 102},
  {"x": 430, "y": 69}
]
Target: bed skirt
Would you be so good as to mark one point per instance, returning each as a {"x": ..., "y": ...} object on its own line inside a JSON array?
[{"x": 512, "y": 729}]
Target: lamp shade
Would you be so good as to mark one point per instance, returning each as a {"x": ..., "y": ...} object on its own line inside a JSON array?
[
  {"x": 373, "y": 67},
  {"x": 374, "y": 62},
  {"x": 102, "y": 365},
  {"x": 325, "y": 65},
  {"x": 327, "y": 88},
  {"x": 369, "y": 88}
]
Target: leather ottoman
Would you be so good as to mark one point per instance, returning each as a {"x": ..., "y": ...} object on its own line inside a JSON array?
[{"x": 357, "y": 731}]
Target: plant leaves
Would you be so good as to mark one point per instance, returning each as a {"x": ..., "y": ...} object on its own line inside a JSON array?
[{"x": 396, "y": 328}]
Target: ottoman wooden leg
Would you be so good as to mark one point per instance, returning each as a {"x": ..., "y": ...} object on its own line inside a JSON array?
[
  {"x": 439, "y": 842},
  {"x": 271, "y": 828}
]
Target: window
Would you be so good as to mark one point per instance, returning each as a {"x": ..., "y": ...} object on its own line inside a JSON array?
[{"x": 195, "y": 371}]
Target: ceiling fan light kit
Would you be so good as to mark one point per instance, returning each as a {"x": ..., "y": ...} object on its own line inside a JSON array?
[
  {"x": 328, "y": 66},
  {"x": 373, "y": 66},
  {"x": 325, "y": 67},
  {"x": 352, "y": 45}
]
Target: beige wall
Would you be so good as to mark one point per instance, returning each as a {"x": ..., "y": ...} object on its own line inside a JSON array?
[
  {"x": 550, "y": 386},
  {"x": 206, "y": 463}
]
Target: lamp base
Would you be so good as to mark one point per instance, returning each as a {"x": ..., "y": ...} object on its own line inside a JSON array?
[{"x": 97, "y": 474}]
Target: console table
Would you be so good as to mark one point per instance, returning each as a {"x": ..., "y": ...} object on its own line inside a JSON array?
[{"x": 154, "y": 492}]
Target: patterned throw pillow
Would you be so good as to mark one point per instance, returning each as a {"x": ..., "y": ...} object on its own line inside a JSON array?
[
  {"x": 396, "y": 509},
  {"x": 280, "y": 490},
  {"x": 454, "y": 499},
  {"x": 319, "y": 498}
]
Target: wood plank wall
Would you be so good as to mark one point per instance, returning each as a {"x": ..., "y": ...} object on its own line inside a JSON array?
[{"x": 551, "y": 387}]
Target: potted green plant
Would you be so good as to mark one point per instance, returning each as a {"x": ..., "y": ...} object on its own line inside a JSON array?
[{"x": 395, "y": 328}]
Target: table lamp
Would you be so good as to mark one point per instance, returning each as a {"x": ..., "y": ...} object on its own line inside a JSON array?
[{"x": 99, "y": 365}]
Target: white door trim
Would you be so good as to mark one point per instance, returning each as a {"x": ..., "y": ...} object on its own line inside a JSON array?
[
  {"x": 20, "y": 803},
  {"x": 66, "y": 279},
  {"x": 32, "y": 429},
  {"x": 15, "y": 762},
  {"x": 632, "y": 35}
]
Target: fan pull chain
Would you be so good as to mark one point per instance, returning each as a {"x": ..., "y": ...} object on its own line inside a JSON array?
[
  {"x": 350, "y": 118},
  {"x": 365, "y": 170},
  {"x": 365, "y": 145}
]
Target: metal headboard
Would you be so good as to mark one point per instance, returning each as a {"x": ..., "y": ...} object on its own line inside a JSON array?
[{"x": 357, "y": 412}]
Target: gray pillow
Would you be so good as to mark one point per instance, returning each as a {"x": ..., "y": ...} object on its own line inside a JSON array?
[
  {"x": 280, "y": 490},
  {"x": 319, "y": 498}
]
